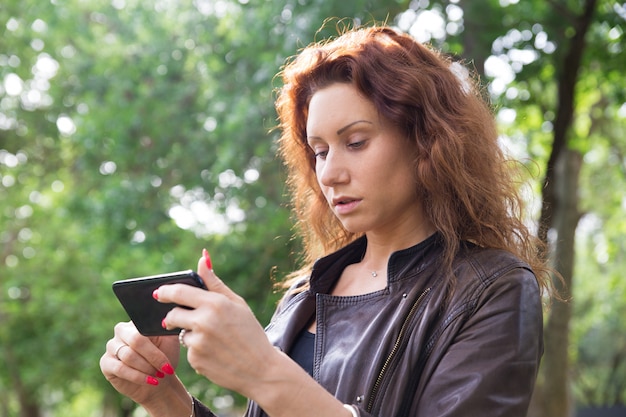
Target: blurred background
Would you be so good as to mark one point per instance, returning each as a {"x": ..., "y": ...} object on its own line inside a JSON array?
[{"x": 134, "y": 133}]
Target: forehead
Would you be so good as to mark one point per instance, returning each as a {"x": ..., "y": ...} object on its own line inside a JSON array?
[{"x": 339, "y": 103}]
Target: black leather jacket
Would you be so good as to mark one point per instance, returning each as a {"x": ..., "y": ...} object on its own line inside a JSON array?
[{"x": 422, "y": 347}]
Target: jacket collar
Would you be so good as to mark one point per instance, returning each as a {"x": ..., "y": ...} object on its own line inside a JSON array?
[{"x": 403, "y": 264}]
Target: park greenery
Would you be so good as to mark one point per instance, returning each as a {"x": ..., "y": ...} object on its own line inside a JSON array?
[{"x": 135, "y": 133}]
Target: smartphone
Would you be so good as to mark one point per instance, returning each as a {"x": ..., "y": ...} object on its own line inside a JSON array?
[{"x": 135, "y": 295}]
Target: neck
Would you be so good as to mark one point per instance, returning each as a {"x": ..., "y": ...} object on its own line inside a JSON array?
[{"x": 379, "y": 248}]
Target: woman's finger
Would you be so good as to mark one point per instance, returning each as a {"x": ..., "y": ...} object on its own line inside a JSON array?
[
  {"x": 140, "y": 352},
  {"x": 192, "y": 297},
  {"x": 118, "y": 369},
  {"x": 181, "y": 294},
  {"x": 207, "y": 309},
  {"x": 124, "y": 354}
]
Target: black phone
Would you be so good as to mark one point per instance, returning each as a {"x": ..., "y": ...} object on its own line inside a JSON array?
[{"x": 135, "y": 295}]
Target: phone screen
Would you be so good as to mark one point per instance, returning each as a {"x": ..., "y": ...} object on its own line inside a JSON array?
[{"x": 135, "y": 295}]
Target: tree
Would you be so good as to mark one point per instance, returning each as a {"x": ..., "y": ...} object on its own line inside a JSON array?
[
  {"x": 132, "y": 135},
  {"x": 560, "y": 192},
  {"x": 552, "y": 73}
]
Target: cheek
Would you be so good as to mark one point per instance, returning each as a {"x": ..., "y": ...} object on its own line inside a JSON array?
[{"x": 401, "y": 175}]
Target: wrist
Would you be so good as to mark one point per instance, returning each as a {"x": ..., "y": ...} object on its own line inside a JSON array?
[
  {"x": 173, "y": 402},
  {"x": 287, "y": 390},
  {"x": 276, "y": 372}
]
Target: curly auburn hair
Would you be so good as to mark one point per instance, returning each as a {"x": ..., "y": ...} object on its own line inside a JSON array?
[{"x": 467, "y": 186}]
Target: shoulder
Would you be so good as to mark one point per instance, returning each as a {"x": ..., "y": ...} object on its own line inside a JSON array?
[
  {"x": 296, "y": 290},
  {"x": 495, "y": 289},
  {"x": 484, "y": 273},
  {"x": 489, "y": 265}
]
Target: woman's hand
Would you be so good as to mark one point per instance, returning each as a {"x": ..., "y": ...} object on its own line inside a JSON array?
[
  {"x": 225, "y": 341},
  {"x": 227, "y": 345},
  {"x": 138, "y": 366}
]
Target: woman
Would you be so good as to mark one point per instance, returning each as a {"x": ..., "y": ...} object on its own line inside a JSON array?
[{"x": 421, "y": 289}]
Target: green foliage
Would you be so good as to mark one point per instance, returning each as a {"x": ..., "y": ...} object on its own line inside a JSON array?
[
  {"x": 519, "y": 50},
  {"x": 597, "y": 132},
  {"x": 133, "y": 134}
]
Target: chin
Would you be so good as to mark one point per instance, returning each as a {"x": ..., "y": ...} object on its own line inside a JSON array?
[{"x": 353, "y": 227}]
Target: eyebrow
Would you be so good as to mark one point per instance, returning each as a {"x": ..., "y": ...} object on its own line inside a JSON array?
[
  {"x": 348, "y": 126},
  {"x": 341, "y": 130}
]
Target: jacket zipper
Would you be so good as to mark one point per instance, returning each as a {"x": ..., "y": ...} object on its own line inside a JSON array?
[{"x": 395, "y": 349}]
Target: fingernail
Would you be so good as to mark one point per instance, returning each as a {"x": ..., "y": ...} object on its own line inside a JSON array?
[
  {"x": 167, "y": 368},
  {"x": 163, "y": 324},
  {"x": 152, "y": 380},
  {"x": 155, "y": 294},
  {"x": 160, "y": 374},
  {"x": 207, "y": 259}
]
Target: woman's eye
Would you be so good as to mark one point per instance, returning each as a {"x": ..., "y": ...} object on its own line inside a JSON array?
[
  {"x": 321, "y": 154},
  {"x": 357, "y": 144}
]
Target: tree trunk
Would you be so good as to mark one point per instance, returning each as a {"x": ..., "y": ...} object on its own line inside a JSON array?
[
  {"x": 477, "y": 40},
  {"x": 29, "y": 407},
  {"x": 553, "y": 397},
  {"x": 559, "y": 212},
  {"x": 567, "y": 79}
]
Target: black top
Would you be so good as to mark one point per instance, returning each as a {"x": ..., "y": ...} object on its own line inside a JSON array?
[{"x": 302, "y": 350}]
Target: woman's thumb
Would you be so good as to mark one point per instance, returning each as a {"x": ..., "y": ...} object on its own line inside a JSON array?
[{"x": 212, "y": 282}]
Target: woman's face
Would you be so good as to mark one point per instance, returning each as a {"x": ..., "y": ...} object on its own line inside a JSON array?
[{"x": 364, "y": 165}]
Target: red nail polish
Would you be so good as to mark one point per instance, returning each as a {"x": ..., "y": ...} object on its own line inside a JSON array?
[
  {"x": 152, "y": 380},
  {"x": 160, "y": 374},
  {"x": 167, "y": 368},
  {"x": 155, "y": 294},
  {"x": 207, "y": 259},
  {"x": 163, "y": 324}
]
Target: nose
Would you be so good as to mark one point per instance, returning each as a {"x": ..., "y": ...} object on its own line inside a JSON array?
[{"x": 332, "y": 170}]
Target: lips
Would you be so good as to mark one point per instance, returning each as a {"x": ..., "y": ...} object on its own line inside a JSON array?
[
  {"x": 343, "y": 200},
  {"x": 345, "y": 205}
]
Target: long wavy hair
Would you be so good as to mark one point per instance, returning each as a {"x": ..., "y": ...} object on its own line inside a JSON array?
[{"x": 468, "y": 188}]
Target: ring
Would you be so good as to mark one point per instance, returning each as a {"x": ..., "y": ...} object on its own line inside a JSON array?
[
  {"x": 181, "y": 337},
  {"x": 118, "y": 351}
]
